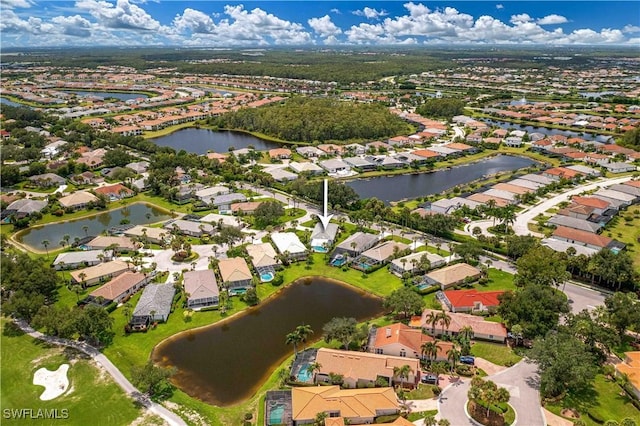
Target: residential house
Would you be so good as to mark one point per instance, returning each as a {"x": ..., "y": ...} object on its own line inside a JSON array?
[
  {"x": 514, "y": 189},
  {"x": 361, "y": 164},
  {"x": 330, "y": 149},
  {"x": 47, "y": 180},
  {"x": 631, "y": 367},
  {"x": 617, "y": 167},
  {"x": 463, "y": 147},
  {"x": 452, "y": 275},
  {"x": 309, "y": 151},
  {"x": 92, "y": 159},
  {"x": 483, "y": 198},
  {"x": 24, "y": 207},
  {"x": 306, "y": 167},
  {"x": 154, "y": 304},
  {"x": 599, "y": 206},
  {"x": 288, "y": 244},
  {"x": 386, "y": 162},
  {"x": 201, "y": 289},
  {"x": 403, "y": 341},
  {"x": 364, "y": 369},
  {"x": 537, "y": 178},
  {"x": 427, "y": 154},
  {"x": 627, "y": 189},
  {"x": 322, "y": 238},
  {"x": 557, "y": 173},
  {"x": 139, "y": 166},
  {"x": 119, "y": 288},
  {"x": 577, "y": 211},
  {"x": 416, "y": 262},
  {"x": 356, "y": 406},
  {"x": 355, "y": 244},
  {"x": 263, "y": 256},
  {"x": 281, "y": 175},
  {"x": 444, "y": 151},
  {"x": 223, "y": 202},
  {"x": 85, "y": 178},
  {"x": 190, "y": 227},
  {"x": 584, "y": 238},
  {"x": 587, "y": 171},
  {"x": 409, "y": 158},
  {"x": 207, "y": 193},
  {"x": 574, "y": 223},
  {"x": 482, "y": 329},
  {"x": 248, "y": 207},
  {"x": 115, "y": 192},
  {"x": 523, "y": 183},
  {"x": 616, "y": 198},
  {"x": 78, "y": 259},
  {"x": 77, "y": 200},
  {"x": 511, "y": 141},
  {"x": 501, "y": 194},
  {"x": 235, "y": 274},
  {"x": 99, "y": 273},
  {"x": 147, "y": 234},
  {"x": 470, "y": 300},
  {"x": 119, "y": 244},
  {"x": 279, "y": 153},
  {"x": 335, "y": 166},
  {"x": 382, "y": 253},
  {"x": 563, "y": 246},
  {"x": 185, "y": 193},
  {"x": 220, "y": 220}
]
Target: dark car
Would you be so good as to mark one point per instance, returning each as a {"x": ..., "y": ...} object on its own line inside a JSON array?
[
  {"x": 430, "y": 379},
  {"x": 467, "y": 360}
]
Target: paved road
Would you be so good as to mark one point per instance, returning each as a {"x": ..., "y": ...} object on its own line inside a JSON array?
[
  {"x": 170, "y": 417},
  {"x": 528, "y": 214},
  {"x": 582, "y": 297},
  {"x": 521, "y": 381}
]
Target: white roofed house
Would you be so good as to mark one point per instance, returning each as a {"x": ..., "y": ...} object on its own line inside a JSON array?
[
  {"x": 289, "y": 245},
  {"x": 77, "y": 200},
  {"x": 262, "y": 255},
  {"x": 235, "y": 274},
  {"x": 306, "y": 167},
  {"x": 309, "y": 151},
  {"x": 361, "y": 164},
  {"x": 322, "y": 239},
  {"x": 356, "y": 244},
  {"x": 416, "y": 262},
  {"x": 190, "y": 227},
  {"x": 223, "y": 202},
  {"x": 201, "y": 289},
  {"x": 78, "y": 259},
  {"x": 615, "y": 197},
  {"x": 335, "y": 166}
]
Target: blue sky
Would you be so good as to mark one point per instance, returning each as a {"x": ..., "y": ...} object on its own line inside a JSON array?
[{"x": 321, "y": 23}]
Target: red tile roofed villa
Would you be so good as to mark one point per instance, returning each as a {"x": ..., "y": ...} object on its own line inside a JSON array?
[
  {"x": 403, "y": 341},
  {"x": 120, "y": 287},
  {"x": 584, "y": 238},
  {"x": 471, "y": 300},
  {"x": 482, "y": 329},
  {"x": 426, "y": 153},
  {"x": 597, "y": 204},
  {"x": 357, "y": 406},
  {"x": 560, "y": 173},
  {"x": 115, "y": 192},
  {"x": 362, "y": 369}
]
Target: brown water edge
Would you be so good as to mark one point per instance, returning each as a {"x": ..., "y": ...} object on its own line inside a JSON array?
[{"x": 226, "y": 363}]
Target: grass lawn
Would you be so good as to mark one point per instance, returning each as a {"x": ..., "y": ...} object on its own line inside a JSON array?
[
  {"x": 495, "y": 353},
  {"x": 626, "y": 228},
  {"x": 412, "y": 417},
  {"x": 604, "y": 398},
  {"x": 498, "y": 280},
  {"x": 421, "y": 392},
  {"x": 92, "y": 391}
]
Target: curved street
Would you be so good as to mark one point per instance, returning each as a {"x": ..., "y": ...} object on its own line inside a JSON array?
[
  {"x": 521, "y": 381},
  {"x": 170, "y": 417}
]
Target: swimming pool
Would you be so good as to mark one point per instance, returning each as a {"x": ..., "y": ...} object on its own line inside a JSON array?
[
  {"x": 319, "y": 249},
  {"x": 338, "y": 261},
  {"x": 276, "y": 415},
  {"x": 364, "y": 266},
  {"x": 423, "y": 286},
  {"x": 237, "y": 291},
  {"x": 304, "y": 375},
  {"x": 265, "y": 277}
]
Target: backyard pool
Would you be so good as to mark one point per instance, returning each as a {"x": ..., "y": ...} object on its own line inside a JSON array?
[
  {"x": 276, "y": 415},
  {"x": 320, "y": 249},
  {"x": 338, "y": 261},
  {"x": 266, "y": 277},
  {"x": 304, "y": 375}
]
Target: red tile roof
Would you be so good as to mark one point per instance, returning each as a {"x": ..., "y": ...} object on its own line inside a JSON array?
[
  {"x": 582, "y": 236},
  {"x": 591, "y": 202},
  {"x": 634, "y": 183},
  {"x": 411, "y": 338},
  {"x": 467, "y": 298}
]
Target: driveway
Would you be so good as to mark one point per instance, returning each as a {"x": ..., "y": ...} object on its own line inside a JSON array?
[
  {"x": 521, "y": 381},
  {"x": 528, "y": 214}
]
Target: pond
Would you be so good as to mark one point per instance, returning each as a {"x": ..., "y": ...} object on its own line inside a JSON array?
[
  {"x": 201, "y": 141},
  {"x": 226, "y": 363},
  {"x": 105, "y": 95},
  {"x": 400, "y": 187},
  {"x": 548, "y": 132},
  {"x": 136, "y": 214},
  {"x": 5, "y": 101}
]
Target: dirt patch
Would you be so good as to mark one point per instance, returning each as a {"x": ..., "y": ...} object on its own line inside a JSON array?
[
  {"x": 191, "y": 416},
  {"x": 570, "y": 413},
  {"x": 149, "y": 419}
]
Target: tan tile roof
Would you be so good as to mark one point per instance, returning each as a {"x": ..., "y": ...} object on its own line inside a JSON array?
[
  {"x": 234, "y": 269},
  {"x": 349, "y": 403},
  {"x": 410, "y": 338},
  {"x": 383, "y": 251},
  {"x": 631, "y": 367},
  {"x": 100, "y": 270},
  {"x": 515, "y": 189},
  {"x": 484, "y": 198},
  {"x": 453, "y": 273},
  {"x": 200, "y": 284},
  {"x": 262, "y": 254},
  {"x": 362, "y": 365},
  {"x": 118, "y": 285},
  {"x": 458, "y": 321},
  {"x": 106, "y": 241},
  {"x": 77, "y": 198}
]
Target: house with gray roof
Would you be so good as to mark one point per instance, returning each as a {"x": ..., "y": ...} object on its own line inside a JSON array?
[
  {"x": 335, "y": 165},
  {"x": 627, "y": 189},
  {"x": 386, "y": 162},
  {"x": 24, "y": 207},
  {"x": 281, "y": 175},
  {"x": 383, "y": 252},
  {"x": 190, "y": 227},
  {"x": 537, "y": 178},
  {"x": 444, "y": 151},
  {"x": 620, "y": 167},
  {"x": 409, "y": 158},
  {"x": 306, "y": 167},
  {"x": 309, "y": 151},
  {"x": 79, "y": 259},
  {"x": 416, "y": 262},
  {"x": 223, "y": 202},
  {"x": 589, "y": 171},
  {"x": 615, "y": 196},
  {"x": 139, "y": 166},
  {"x": 356, "y": 244},
  {"x": 575, "y": 223},
  {"x": 47, "y": 180},
  {"x": 523, "y": 183},
  {"x": 361, "y": 164},
  {"x": 154, "y": 304},
  {"x": 321, "y": 237}
]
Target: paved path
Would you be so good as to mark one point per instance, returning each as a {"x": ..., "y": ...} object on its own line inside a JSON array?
[
  {"x": 528, "y": 214},
  {"x": 521, "y": 381},
  {"x": 170, "y": 417}
]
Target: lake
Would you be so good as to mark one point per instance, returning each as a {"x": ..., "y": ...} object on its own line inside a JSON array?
[
  {"x": 400, "y": 187},
  {"x": 5, "y": 101},
  {"x": 136, "y": 214},
  {"x": 201, "y": 141},
  {"x": 548, "y": 132},
  {"x": 104, "y": 95},
  {"x": 226, "y": 363}
]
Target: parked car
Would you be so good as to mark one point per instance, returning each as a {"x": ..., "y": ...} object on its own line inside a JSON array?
[
  {"x": 430, "y": 379},
  {"x": 468, "y": 360}
]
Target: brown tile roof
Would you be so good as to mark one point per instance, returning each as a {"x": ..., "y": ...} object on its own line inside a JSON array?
[
  {"x": 631, "y": 367},
  {"x": 460, "y": 146},
  {"x": 467, "y": 298},
  {"x": 582, "y": 236},
  {"x": 119, "y": 285},
  {"x": 234, "y": 269},
  {"x": 458, "y": 321},
  {"x": 453, "y": 273},
  {"x": 411, "y": 338},
  {"x": 576, "y": 209},
  {"x": 634, "y": 183},
  {"x": 562, "y": 172},
  {"x": 484, "y": 198},
  {"x": 115, "y": 190},
  {"x": 590, "y": 202},
  {"x": 426, "y": 153}
]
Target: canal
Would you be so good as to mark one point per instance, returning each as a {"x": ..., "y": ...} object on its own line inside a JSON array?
[
  {"x": 107, "y": 95},
  {"x": 548, "y": 131},
  {"x": 226, "y": 363},
  {"x": 201, "y": 141},
  {"x": 134, "y": 214},
  {"x": 400, "y": 187}
]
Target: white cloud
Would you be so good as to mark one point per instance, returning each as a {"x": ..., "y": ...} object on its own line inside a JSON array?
[
  {"x": 194, "y": 21},
  {"x": 552, "y": 20},
  {"x": 76, "y": 25},
  {"x": 15, "y": 4},
  {"x": 370, "y": 13},
  {"x": 631, "y": 29},
  {"x": 324, "y": 26},
  {"x": 122, "y": 15},
  {"x": 521, "y": 18},
  {"x": 336, "y": 11},
  {"x": 499, "y": 6}
]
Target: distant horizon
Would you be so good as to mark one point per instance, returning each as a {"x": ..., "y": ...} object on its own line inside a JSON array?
[{"x": 28, "y": 24}]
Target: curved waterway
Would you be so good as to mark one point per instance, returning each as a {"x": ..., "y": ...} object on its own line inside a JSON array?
[
  {"x": 201, "y": 141},
  {"x": 225, "y": 363},
  {"x": 400, "y": 187}
]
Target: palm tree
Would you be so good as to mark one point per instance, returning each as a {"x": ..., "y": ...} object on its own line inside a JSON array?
[
  {"x": 466, "y": 332},
  {"x": 429, "y": 420},
  {"x": 45, "y": 243},
  {"x": 508, "y": 216},
  {"x": 82, "y": 277},
  {"x": 293, "y": 339},
  {"x": 444, "y": 319},
  {"x": 320, "y": 418},
  {"x": 77, "y": 290},
  {"x": 304, "y": 331},
  {"x": 85, "y": 228},
  {"x": 313, "y": 369},
  {"x": 453, "y": 356},
  {"x": 430, "y": 350},
  {"x": 432, "y": 318},
  {"x": 490, "y": 211},
  {"x": 402, "y": 373}
]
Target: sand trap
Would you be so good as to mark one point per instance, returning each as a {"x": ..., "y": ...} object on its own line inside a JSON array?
[{"x": 55, "y": 382}]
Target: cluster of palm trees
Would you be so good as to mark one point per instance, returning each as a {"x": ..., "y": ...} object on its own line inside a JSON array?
[
  {"x": 506, "y": 214},
  {"x": 300, "y": 335}
]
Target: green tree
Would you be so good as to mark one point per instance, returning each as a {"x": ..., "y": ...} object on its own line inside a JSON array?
[
  {"x": 250, "y": 297},
  {"x": 564, "y": 363},
  {"x": 293, "y": 338},
  {"x": 342, "y": 329},
  {"x": 518, "y": 245},
  {"x": 469, "y": 250},
  {"x": 623, "y": 312},
  {"x": 536, "y": 308},
  {"x": 96, "y": 326},
  {"x": 402, "y": 373},
  {"x": 430, "y": 350},
  {"x": 404, "y": 301},
  {"x": 117, "y": 157},
  {"x": 304, "y": 331},
  {"x": 441, "y": 108},
  {"x": 541, "y": 265},
  {"x": 153, "y": 380},
  {"x": 268, "y": 213}
]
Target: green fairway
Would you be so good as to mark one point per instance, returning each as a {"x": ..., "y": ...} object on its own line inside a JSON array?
[{"x": 93, "y": 397}]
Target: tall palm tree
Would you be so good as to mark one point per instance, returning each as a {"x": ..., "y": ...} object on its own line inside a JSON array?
[
  {"x": 45, "y": 243},
  {"x": 508, "y": 216},
  {"x": 304, "y": 331},
  {"x": 444, "y": 319},
  {"x": 313, "y": 369},
  {"x": 402, "y": 373},
  {"x": 453, "y": 356},
  {"x": 466, "y": 332},
  {"x": 293, "y": 338},
  {"x": 491, "y": 210},
  {"x": 432, "y": 319},
  {"x": 430, "y": 350}
]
